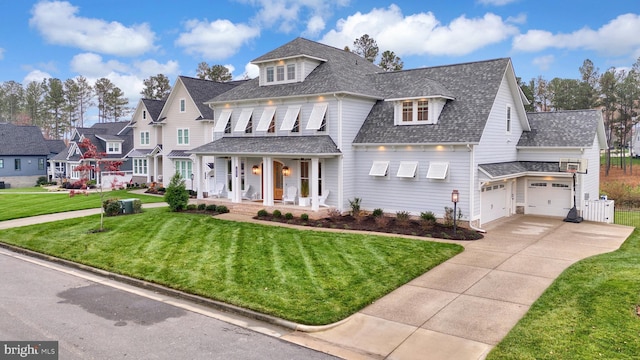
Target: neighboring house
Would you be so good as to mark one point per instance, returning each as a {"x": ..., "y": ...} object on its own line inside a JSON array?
[
  {"x": 325, "y": 119},
  {"x": 173, "y": 127},
  {"x": 114, "y": 139},
  {"x": 23, "y": 155}
]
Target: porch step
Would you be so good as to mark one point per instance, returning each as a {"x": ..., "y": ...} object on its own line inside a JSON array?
[{"x": 251, "y": 208}]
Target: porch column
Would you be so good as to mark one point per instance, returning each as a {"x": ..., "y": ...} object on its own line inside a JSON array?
[
  {"x": 235, "y": 179},
  {"x": 267, "y": 179},
  {"x": 197, "y": 177},
  {"x": 155, "y": 167},
  {"x": 148, "y": 169},
  {"x": 315, "y": 204}
]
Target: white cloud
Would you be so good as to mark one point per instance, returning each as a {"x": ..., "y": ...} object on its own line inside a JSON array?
[
  {"x": 613, "y": 38},
  {"x": 147, "y": 68},
  {"x": 544, "y": 62},
  {"x": 215, "y": 40},
  {"x": 288, "y": 14},
  {"x": 314, "y": 26},
  {"x": 58, "y": 23},
  {"x": 252, "y": 71},
  {"x": 421, "y": 33},
  {"x": 520, "y": 19},
  {"x": 91, "y": 65},
  {"x": 496, "y": 2},
  {"x": 36, "y": 75}
]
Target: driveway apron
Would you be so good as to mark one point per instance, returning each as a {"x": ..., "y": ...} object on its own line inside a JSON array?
[{"x": 466, "y": 305}]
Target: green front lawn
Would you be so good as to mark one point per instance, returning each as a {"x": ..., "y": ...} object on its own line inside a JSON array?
[
  {"x": 14, "y": 206},
  {"x": 305, "y": 276},
  {"x": 589, "y": 312}
]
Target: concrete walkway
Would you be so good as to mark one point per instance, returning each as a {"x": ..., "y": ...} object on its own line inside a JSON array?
[
  {"x": 463, "y": 307},
  {"x": 466, "y": 305}
]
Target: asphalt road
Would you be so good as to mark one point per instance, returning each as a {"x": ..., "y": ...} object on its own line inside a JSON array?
[{"x": 94, "y": 320}]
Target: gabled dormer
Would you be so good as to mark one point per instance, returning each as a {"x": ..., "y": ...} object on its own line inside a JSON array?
[{"x": 418, "y": 111}]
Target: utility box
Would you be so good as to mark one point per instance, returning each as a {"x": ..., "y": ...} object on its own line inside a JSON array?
[
  {"x": 127, "y": 205},
  {"x": 599, "y": 211}
]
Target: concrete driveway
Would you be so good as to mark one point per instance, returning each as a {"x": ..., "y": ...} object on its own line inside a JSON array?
[{"x": 466, "y": 305}]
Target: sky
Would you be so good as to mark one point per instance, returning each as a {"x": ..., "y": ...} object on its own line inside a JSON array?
[{"x": 128, "y": 41}]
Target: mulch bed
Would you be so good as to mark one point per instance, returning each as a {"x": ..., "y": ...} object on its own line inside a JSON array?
[{"x": 388, "y": 225}]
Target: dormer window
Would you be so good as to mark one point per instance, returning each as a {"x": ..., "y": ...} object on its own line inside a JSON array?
[
  {"x": 418, "y": 111},
  {"x": 280, "y": 73},
  {"x": 415, "y": 111},
  {"x": 270, "y": 74},
  {"x": 113, "y": 147},
  {"x": 291, "y": 72}
]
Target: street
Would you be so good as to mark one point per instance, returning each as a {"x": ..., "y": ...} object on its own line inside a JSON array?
[{"x": 100, "y": 320}]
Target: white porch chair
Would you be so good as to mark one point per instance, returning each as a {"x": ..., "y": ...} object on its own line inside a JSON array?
[
  {"x": 290, "y": 195},
  {"x": 322, "y": 198},
  {"x": 249, "y": 193},
  {"x": 219, "y": 189}
]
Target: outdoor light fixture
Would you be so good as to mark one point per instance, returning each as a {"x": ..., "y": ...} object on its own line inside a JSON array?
[
  {"x": 454, "y": 199},
  {"x": 255, "y": 170},
  {"x": 286, "y": 171}
]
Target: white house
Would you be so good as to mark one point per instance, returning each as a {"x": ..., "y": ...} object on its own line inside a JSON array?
[{"x": 325, "y": 119}]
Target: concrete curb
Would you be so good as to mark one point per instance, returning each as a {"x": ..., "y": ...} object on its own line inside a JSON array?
[{"x": 164, "y": 290}]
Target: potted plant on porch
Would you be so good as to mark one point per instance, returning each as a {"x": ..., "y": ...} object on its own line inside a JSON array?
[{"x": 304, "y": 199}]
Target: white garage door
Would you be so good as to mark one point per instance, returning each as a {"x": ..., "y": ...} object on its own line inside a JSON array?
[
  {"x": 494, "y": 202},
  {"x": 551, "y": 198}
]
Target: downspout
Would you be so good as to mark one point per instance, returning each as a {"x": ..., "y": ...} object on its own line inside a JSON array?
[
  {"x": 472, "y": 171},
  {"x": 341, "y": 158}
]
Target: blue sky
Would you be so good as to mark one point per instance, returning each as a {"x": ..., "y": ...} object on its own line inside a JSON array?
[{"x": 128, "y": 41}]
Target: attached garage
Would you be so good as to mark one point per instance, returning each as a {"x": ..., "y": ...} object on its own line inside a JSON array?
[
  {"x": 551, "y": 198},
  {"x": 494, "y": 201}
]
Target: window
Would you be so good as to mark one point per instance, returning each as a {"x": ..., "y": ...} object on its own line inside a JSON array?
[
  {"x": 290, "y": 118},
  {"x": 291, "y": 72},
  {"x": 244, "y": 120},
  {"x": 183, "y": 105},
  {"x": 317, "y": 118},
  {"x": 249, "y": 128},
  {"x": 438, "y": 170},
  {"x": 272, "y": 125},
  {"x": 227, "y": 129},
  {"x": 17, "y": 164},
  {"x": 267, "y": 117},
  {"x": 407, "y": 111},
  {"x": 379, "y": 168},
  {"x": 41, "y": 164},
  {"x": 184, "y": 168},
  {"x": 304, "y": 176},
  {"x": 423, "y": 110},
  {"x": 270, "y": 74},
  {"x": 508, "y": 119},
  {"x": 113, "y": 147},
  {"x": 1, "y": 163},
  {"x": 229, "y": 175},
  {"x": 144, "y": 138},
  {"x": 144, "y": 114},
  {"x": 223, "y": 121},
  {"x": 407, "y": 169},
  {"x": 75, "y": 174},
  {"x": 139, "y": 166},
  {"x": 183, "y": 136},
  {"x": 280, "y": 73},
  {"x": 296, "y": 125}
]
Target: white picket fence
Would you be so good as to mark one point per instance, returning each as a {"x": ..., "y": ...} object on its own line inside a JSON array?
[{"x": 599, "y": 210}]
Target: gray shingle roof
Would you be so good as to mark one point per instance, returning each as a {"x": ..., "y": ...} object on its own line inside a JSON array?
[
  {"x": 56, "y": 146},
  {"x": 100, "y": 132},
  {"x": 154, "y": 107},
  {"x": 282, "y": 145},
  {"x": 473, "y": 85},
  {"x": 575, "y": 128},
  {"x": 22, "y": 140},
  {"x": 202, "y": 90},
  {"x": 497, "y": 170},
  {"x": 342, "y": 71},
  {"x": 178, "y": 153}
]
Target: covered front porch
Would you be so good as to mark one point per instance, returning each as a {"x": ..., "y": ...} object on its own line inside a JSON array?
[{"x": 251, "y": 208}]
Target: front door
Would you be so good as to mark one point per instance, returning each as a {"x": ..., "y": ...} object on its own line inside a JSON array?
[{"x": 278, "y": 181}]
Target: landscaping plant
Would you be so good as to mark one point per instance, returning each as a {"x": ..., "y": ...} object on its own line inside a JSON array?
[{"x": 176, "y": 194}]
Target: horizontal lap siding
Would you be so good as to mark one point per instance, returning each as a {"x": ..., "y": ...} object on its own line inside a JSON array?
[{"x": 416, "y": 195}]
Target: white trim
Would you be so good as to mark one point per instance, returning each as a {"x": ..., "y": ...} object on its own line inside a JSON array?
[
  {"x": 317, "y": 114},
  {"x": 265, "y": 118},
  {"x": 379, "y": 168},
  {"x": 243, "y": 120},
  {"x": 223, "y": 119},
  {"x": 290, "y": 118},
  {"x": 407, "y": 169},
  {"x": 438, "y": 170}
]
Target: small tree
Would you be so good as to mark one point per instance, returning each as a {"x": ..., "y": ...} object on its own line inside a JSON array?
[
  {"x": 177, "y": 195},
  {"x": 93, "y": 160}
]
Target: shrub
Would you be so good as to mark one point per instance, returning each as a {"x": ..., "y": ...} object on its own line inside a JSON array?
[
  {"x": 111, "y": 207},
  {"x": 137, "y": 206},
  {"x": 221, "y": 209},
  {"x": 448, "y": 216},
  {"x": 176, "y": 195},
  {"x": 210, "y": 208},
  {"x": 277, "y": 214},
  {"x": 403, "y": 217},
  {"x": 428, "y": 219},
  {"x": 288, "y": 216},
  {"x": 202, "y": 207},
  {"x": 355, "y": 206},
  {"x": 377, "y": 212},
  {"x": 304, "y": 217},
  {"x": 382, "y": 221},
  {"x": 192, "y": 207},
  {"x": 42, "y": 180},
  {"x": 263, "y": 213}
]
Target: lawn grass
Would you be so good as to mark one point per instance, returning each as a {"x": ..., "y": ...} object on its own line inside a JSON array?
[
  {"x": 14, "y": 206},
  {"x": 305, "y": 276},
  {"x": 589, "y": 312}
]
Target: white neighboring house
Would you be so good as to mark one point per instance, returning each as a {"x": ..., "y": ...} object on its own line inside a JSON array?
[{"x": 325, "y": 119}]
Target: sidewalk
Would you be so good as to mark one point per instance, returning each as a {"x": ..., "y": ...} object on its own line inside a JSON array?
[{"x": 458, "y": 310}]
